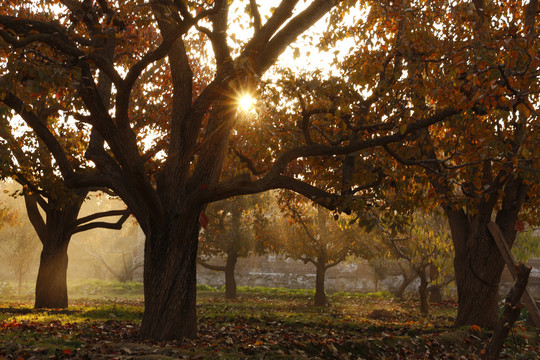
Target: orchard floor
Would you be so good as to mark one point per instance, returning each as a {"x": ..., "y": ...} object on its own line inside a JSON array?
[{"x": 261, "y": 324}]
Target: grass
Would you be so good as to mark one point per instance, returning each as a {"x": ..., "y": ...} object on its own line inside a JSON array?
[{"x": 264, "y": 323}]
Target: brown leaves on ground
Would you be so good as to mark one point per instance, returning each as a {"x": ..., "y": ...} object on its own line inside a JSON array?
[{"x": 256, "y": 328}]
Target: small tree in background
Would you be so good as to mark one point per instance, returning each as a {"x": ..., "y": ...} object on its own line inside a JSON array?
[
  {"x": 232, "y": 233},
  {"x": 315, "y": 235},
  {"x": 427, "y": 248}
]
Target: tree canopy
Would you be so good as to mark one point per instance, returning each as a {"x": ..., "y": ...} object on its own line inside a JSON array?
[{"x": 159, "y": 124}]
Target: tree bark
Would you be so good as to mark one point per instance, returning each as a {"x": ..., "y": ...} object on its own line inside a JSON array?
[
  {"x": 170, "y": 279},
  {"x": 51, "y": 284},
  {"x": 320, "y": 295},
  {"x": 423, "y": 292},
  {"x": 54, "y": 234},
  {"x": 230, "y": 281},
  {"x": 478, "y": 267}
]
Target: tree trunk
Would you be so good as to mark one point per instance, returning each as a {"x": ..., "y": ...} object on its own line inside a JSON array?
[
  {"x": 230, "y": 281},
  {"x": 423, "y": 292},
  {"x": 478, "y": 267},
  {"x": 478, "y": 264},
  {"x": 170, "y": 279},
  {"x": 407, "y": 280},
  {"x": 320, "y": 295},
  {"x": 51, "y": 284}
]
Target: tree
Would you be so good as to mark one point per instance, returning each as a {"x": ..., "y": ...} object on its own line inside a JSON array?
[
  {"x": 167, "y": 184},
  {"x": 315, "y": 235},
  {"x": 479, "y": 58},
  {"x": 52, "y": 207},
  {"x": 427, "y": 249},
  {"x": 232, "y": 232}
]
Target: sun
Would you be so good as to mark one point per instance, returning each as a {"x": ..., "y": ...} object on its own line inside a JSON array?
[{"x": 246, "y": 103}]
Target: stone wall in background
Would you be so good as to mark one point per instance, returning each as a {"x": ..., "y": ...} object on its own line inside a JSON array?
[{"x": 273, "y": 271}]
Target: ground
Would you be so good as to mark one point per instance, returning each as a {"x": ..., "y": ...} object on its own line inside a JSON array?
[{"x": 262, "y": 324}]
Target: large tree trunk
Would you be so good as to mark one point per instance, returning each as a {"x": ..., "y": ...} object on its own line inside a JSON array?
[
  {"x": 54, "y": 234},
  {"x": 51, "y": 284},
  {"x": 170, "y": 279},
  {"x": 230, "y": 281},
  {"x": 478, "y": 264},
  {"x": 478, "y": 267},
  {"x": 320, "y": 295}
]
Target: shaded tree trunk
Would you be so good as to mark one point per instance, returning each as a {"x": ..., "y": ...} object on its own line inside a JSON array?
[
  {"x": 423, "y": 292},
  {"x": 478, "y": 264},
  {"x": 170, "y": 279},
  {"x": 54, "y": 234},
  {"x": 320, "y": 295},
  {"x": 478, "y": 267},
  {"x": 230, "y": 281},
  {"x": 51, "y": 284}
]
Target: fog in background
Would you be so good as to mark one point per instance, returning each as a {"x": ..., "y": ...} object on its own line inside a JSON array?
[{"x": 95, "y": 254}]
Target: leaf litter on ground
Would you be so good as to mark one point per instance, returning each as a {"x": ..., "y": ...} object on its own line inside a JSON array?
[{"x": 257, "y": 328}]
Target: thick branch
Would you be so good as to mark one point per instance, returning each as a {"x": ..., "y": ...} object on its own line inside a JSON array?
[
  {"x": 296, "y": 26},
  {"x": 103, "y": 214},
  {"x": 31, "y": 201},
  {"x": 102, "y": 224}
]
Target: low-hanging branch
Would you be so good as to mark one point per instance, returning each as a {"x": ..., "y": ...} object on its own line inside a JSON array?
[{"x": 85, "y": 226}]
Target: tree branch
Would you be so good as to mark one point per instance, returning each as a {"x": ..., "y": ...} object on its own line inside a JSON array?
[
  {"x": 101, "y": 224},
  {"x": 210, "y": 266}
]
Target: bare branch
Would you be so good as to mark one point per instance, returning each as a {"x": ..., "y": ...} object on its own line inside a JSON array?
[
  {"x": 102, "y": 214},
  {"x": 103, "y": 225}
]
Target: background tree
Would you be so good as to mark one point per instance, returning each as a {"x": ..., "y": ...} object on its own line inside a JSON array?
[
  {"x": 427, "y": 248},
  {"x": 52, "y": 207},
  {"x": 315, "y": 235},
  {"x": 232, "y": 233}
]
